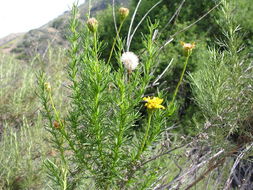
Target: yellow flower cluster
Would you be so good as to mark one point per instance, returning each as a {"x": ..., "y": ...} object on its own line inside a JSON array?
[{"x": 153, "y": 103}]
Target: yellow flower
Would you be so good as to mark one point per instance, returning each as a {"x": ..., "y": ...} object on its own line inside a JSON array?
[
  {"x": 187, "y": 47},
  {"x": 153, "y": 103}
]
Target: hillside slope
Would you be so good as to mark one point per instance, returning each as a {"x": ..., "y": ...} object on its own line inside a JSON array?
[{"x": 35, "y": 41}]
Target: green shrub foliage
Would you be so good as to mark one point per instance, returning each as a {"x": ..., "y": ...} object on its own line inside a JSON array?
[
  {"x": 223, "y": 85},
  {"x": 118, "y": 110},
  {"x": 109, "y": 130}
]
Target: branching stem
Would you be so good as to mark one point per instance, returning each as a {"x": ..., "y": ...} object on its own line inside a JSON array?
[{"x": 114, "y": 41}]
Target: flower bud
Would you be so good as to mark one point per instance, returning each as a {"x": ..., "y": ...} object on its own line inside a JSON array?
[
  {"x": 130, "y": 61},
  {"x": 187, "y": 48},
  {"x": 47, "y": 86},
  {"x": 123, "y": 13},
  {"x": 92, "y": 24}
]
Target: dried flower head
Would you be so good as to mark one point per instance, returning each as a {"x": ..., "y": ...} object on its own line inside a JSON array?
[
  {"x": 130, "y": 61},
  {"x": 56, "y": 125},
  {"x": 92, "y": 24},
  {"x": 153, "y": 103},
  {"x": 47, "y": 86},
  {"x": 187, "y": 47},
  {"x": 123, "y": 13}
]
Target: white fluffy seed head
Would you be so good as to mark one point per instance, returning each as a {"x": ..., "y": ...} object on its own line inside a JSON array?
[{"x": 130, "y": 61}]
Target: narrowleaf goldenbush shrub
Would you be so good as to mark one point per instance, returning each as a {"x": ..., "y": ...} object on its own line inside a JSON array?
[
  {"x": 112, "y": 126},
  {"x": 223, "y": 86}
]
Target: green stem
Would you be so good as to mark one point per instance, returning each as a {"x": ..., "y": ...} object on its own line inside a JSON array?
[
  {"x": 114, "y": 41},
  {"x": 53, "y": 106},
  {"x": 119, "y": 135},
  {"x": 140, "y": 151},
  {"x": 97, "y": 97},
  {"x": 181, "y": 79},
  {"x": 144, "y": 141},
  {"x": 65, "y": 182},
  {"x": 61, "y": 125},
  {"x": 65, "y": 168},
  {"x": 95, "y": 46},
  {"x": 65, "y": 135},
  {"x": 98, "y": 127}
]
